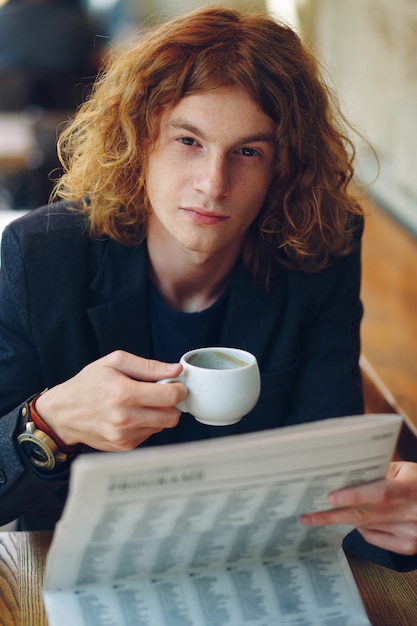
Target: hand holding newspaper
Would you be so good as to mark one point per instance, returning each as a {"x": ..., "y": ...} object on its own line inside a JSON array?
[{"x": 208, "y": 533}]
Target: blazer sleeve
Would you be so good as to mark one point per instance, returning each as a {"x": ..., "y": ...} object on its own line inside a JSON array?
[{"x": 20, "y": 378}]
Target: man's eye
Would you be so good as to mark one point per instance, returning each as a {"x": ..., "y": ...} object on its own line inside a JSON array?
[
  {"x": 249, "y": 152},
  {"x": 187, "y": 141}
]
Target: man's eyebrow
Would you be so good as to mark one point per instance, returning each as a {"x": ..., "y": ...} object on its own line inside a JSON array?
[{"x": 187, "y": 126}]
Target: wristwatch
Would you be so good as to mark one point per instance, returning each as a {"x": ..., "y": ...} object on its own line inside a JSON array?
[{"x": 38, "y": 447}]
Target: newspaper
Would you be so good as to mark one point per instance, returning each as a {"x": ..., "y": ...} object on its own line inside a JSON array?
[{"x": 208, "y": 533}]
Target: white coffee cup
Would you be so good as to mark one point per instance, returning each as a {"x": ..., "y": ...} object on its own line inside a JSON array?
[{"x": 223, "y": 384}]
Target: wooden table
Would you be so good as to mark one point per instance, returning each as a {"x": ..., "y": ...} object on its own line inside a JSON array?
[{"x": 390, "y": 598}]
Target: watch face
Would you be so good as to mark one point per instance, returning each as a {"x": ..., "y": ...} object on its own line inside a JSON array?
[{"x": 37, "y": 451}]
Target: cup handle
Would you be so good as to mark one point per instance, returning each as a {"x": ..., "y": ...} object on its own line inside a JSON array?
[{"x": 182, "y": 406}]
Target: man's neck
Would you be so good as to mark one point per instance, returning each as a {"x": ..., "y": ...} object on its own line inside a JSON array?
[{"x": 189, "y": 281}]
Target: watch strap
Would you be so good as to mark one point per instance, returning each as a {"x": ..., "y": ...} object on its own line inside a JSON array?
[
  {"x": 40, "y": 446},
  {"x": 41, "y": 425}
]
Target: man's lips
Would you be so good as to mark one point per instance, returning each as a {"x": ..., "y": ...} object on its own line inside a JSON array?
[{"x": 202, "y": 216}]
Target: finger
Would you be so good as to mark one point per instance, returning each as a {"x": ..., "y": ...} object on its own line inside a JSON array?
[
  {"x": 394, "y": 538},
  {"x": 334, "y": 517},
  {"x": 116, "y": 435},
  {"x": 108, "y": 445},
  {"x": 368, "y": 515},
  {"x": 356, "y": 516},
  {"x": 381, "y": 492},
  {"x": 139, "y": 368},
  {"x": 407, "y": 530},
  {"x": 131, "y": 442},
  {"x": 394, "y": 469},
  {"x": 133, "y": 394},
  {"x": 401, "y": 483}
]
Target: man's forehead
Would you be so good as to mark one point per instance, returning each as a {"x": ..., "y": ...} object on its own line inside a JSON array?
[{"x": 227, "y": 108}]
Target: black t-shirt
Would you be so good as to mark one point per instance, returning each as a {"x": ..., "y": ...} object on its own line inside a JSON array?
[{"x": 174, "y": 332}]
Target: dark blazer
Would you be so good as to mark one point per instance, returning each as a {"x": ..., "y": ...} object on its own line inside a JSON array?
[{"x": 67, "y": 299}]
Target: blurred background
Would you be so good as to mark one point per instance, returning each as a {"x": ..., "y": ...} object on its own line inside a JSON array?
[{"x": 50, "y": 51}]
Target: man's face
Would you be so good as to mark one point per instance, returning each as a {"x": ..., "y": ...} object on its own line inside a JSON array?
[{"x": 209, "y": 172}]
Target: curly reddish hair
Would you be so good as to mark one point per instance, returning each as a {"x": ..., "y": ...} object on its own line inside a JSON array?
[{"x": 309, "y": 213}]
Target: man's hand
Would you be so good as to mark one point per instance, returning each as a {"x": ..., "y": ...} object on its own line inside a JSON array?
[
  {"x": 384, "y": 511},
  {"x": 113, "y": 403}
]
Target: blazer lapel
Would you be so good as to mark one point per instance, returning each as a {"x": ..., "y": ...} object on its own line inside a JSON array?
[
  {"x": 119, "y": 290},
  {"x": 252, "y": 313}
]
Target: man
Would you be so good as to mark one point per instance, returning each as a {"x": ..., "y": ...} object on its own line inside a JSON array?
[{"x": 206, "y": 203}]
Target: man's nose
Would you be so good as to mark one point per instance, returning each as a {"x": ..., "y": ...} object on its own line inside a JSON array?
[{"x": 213, "y": 177}]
